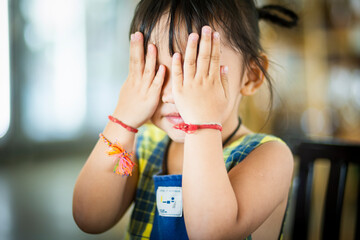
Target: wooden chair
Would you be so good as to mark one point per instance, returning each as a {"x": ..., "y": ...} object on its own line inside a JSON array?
[{"x": 340, "y": 155}]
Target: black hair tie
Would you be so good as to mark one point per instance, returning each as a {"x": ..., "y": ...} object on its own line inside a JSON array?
[{"x": 268, "y": 12}]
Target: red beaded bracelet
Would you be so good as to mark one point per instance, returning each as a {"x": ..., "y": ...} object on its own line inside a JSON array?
[
  {"x": 191, "y": 128},
  {"x": 127, "y": 127}
]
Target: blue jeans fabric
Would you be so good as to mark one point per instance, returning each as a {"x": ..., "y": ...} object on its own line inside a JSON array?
[{"x": 168, "y": 227}]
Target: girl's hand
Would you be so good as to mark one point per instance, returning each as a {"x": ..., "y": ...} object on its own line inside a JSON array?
[
  {"x": 201, "y": 91},
  {"x": 140, "y": 94}
]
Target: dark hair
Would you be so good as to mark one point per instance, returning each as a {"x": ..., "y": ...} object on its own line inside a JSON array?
[{"x": 237, "y": 18}]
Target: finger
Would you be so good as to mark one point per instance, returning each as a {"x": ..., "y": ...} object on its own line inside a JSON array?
[
  {"x": 190, "y": 56},
  {"x": 203, "y": 59},
  {"x": 225, "y": 80},
  {"x": 137, "y": 54},
  {"x": 158, "y": 80},
  {"x": 132, "y": 46},
  {"x": 176, "y": 71},
  {"x": 214, "y": 68},
  {"x": 150, "y": 64}
]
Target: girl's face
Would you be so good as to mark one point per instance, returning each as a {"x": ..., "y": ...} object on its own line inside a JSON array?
[{"x": 166, "y": 114}]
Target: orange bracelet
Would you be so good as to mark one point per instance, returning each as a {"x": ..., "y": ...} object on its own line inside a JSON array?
[
  {"x": 127, "y": 127},
  {"x": 124, "y": 165}
]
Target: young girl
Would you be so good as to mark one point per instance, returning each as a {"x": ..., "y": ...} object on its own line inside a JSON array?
[{"x": 198, "y": 172}]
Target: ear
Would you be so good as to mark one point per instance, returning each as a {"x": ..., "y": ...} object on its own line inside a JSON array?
[{"x": 254, "y": 77}]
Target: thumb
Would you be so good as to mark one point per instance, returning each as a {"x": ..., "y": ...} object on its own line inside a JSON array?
[{"x": 224, "y": 79}]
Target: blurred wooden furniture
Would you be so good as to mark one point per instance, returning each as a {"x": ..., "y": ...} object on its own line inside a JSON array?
[{"x": 340, "y": 155}]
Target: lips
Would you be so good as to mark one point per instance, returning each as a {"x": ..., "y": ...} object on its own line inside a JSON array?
[{"x": 174, "y": 118}]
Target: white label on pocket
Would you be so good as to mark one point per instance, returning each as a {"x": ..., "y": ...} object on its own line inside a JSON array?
[{"x": 169, "y": 201}]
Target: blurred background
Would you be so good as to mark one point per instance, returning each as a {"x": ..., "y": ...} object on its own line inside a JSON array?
[{"x": 62, "y": 64}]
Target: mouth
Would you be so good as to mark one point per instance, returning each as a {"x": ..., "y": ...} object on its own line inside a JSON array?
[{"x": 174, "y": 118}]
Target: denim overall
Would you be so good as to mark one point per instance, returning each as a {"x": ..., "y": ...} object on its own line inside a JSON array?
[{"x": 169, "y": 219}]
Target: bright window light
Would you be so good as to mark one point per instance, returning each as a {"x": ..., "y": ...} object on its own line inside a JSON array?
[
  {"x": 55, "y": 101},
  {"x": 4, "y": 69}
]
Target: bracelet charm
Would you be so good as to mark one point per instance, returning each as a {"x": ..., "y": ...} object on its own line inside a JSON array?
[{"x": 123, "y": 164}]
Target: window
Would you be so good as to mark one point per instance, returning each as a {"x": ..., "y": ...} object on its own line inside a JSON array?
[
  {"x": 69, "y": 60},
  {"x": 55, "y": 99},
  {"x": 4, "y": 69}
]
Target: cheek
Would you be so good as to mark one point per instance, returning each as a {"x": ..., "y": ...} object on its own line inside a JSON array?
[
  {"x": 156, "y": 114},
  {"x": 229, "y": 57},
  {"x": 234, "y": 74},
  {"x": 234, "y": 79}
]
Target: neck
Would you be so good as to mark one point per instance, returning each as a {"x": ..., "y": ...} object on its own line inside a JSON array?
[{"x": 229, "y": 127}]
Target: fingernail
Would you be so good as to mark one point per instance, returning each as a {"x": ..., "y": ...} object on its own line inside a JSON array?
[
  {"x": 206, "y": 30},
  {"x": 138, "y": 35},
  {"x": 225, "y": 70},
  {"x": 176, "y": 56},
  {"x": 132, "y": 36},
  {"x": 193, "y": 37},
  {"x": 216, "y": 35},
  {"x": 149, "y": 48}
]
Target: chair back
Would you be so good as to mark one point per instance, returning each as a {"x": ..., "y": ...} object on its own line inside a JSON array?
[{"x": 340, "y": 155}]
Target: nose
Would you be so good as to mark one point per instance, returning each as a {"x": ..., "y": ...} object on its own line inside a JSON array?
[{"x": 166, "y": 93}]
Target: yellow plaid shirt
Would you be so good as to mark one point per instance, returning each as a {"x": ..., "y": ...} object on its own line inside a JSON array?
[{"x": 150, "y": 150}]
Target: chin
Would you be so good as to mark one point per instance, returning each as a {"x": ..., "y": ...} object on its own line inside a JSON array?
[
  {"x": 176, "y": 137},
  {"x": 174, "y": 134}
]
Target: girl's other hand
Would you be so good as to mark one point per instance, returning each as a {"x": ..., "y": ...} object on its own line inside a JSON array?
[
  {"x": 140, "y": 94},
  {"x": 201, "y": 91}
]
